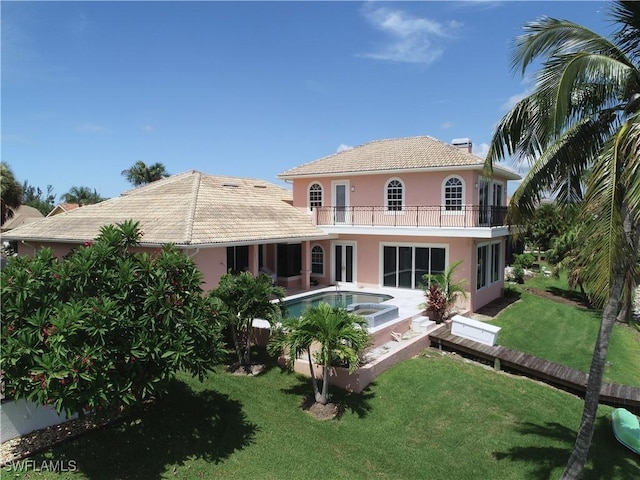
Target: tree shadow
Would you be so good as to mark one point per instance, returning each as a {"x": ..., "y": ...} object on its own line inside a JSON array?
[
  {"x": 571, "y": 295},
  {"x": 607, "y": 458},
  {"x": 357, "y": 403},
  {"x": 183, "y": 425}
]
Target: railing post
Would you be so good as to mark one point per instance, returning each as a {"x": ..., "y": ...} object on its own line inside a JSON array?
[{"x": 372, "y": 216}]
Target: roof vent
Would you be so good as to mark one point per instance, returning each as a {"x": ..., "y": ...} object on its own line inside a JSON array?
[
  {"x": 463, "y": 144},
  {"x": 235, "y": 185},
  {"x": 260, "y": 186}
]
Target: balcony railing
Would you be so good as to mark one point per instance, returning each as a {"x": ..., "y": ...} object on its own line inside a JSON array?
[{"x": 464, "y": 216}]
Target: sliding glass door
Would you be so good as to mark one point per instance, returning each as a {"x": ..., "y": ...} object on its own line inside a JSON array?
[{"x": 404, "y": 266}]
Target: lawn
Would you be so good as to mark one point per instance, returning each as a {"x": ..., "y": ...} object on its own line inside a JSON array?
[
  {"x": 566, "y": 334},
  {"x": 435, "y": 417}
]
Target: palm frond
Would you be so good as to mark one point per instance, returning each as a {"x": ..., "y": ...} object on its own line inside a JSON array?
[
  {"x": 552, "y": 37},
  {"x": 627, "y": 15}
]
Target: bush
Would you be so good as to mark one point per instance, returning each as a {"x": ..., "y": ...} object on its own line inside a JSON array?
[
  {"x": 518, "y": 273},
  {"x": 104, "y": 327},
  {"x": 525, "y": 260}
]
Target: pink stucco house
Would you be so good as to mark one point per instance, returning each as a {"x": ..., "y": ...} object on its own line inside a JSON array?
[
  {"x": 381, "y": 214},
  {"x": 399, "y": 208}
]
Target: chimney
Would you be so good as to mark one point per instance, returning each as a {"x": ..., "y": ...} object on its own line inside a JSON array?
[{"x": 463, "y": 144}]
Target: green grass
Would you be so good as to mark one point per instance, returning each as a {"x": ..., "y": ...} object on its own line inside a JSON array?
[
  {"x": 567, "y": 334},
  {"x": 433, "y": 417}
]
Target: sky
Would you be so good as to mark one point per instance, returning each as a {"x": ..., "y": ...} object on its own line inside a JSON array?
[{"x": 251, "y": 89}]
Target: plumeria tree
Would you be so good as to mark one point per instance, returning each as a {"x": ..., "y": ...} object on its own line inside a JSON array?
[
  {"x": 339, "y": 336},
  {"x": 105, "y": 327},
  {"x": 580, "y": 127}
]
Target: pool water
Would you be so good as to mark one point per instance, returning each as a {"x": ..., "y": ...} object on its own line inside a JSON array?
[{"x": 296, "y": 307}]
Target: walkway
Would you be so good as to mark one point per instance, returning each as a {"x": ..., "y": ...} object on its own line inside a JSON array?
[{"x": 554, "y": 374}]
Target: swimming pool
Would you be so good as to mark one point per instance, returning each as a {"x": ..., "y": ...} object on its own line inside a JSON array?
[{"x": 297, "y": 306}]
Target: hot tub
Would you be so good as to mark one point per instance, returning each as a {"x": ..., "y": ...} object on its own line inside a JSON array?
[{"x": 376, "y": 314}]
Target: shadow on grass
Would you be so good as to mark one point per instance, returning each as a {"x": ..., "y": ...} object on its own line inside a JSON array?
[
  {"x": 607, "y": 458},
  {"x": 357, "y": 403},
  {"x": 183, "y": 425},
  {"x": 571, "y": 295}
]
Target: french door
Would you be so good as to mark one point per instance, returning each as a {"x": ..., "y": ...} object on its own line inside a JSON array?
[{"x": 344, "y": 262}]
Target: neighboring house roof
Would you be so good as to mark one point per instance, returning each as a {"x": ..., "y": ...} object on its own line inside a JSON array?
[
  {"x": 395, "y": 155},
  {"x": 22, "y": 215},
  {"x": 191, "y": 208},
  {"x": 63, "y": 207}
]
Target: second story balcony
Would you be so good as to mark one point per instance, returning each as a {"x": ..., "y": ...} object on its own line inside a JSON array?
[{"x": 433, "y": 216}]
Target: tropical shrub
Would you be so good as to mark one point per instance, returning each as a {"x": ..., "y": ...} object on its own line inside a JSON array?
[
  {"x": 245, "y": 298},
  {"x": 525, "y": 260},
  {"x": 341, "y": 336},
  {"x": 104, "y": 327},
  {"x": 442, "y": 291}
]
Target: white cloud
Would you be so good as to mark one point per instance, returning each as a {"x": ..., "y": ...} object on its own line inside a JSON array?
[
  {"x": 513, "y": 99},
  {"x": 447, "y": 124},
  {"x": 411, "y": 39},
  {"x": 89, "y": 127},
  {"x": 482, "y": 150},
  {"x": 147, "y": 129},
  {"x": 342, "y": 147}
]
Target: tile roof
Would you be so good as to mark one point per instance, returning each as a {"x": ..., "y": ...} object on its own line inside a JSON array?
[
  {"x": 191, "y": 208},
  {"x": 21, "y": 216},
  {"x": 411, "y": 153}
]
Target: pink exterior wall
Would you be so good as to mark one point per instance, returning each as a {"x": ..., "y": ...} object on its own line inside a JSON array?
[
  {"x": 369, "y": 190},
  {"x": 212, "y": 263}
]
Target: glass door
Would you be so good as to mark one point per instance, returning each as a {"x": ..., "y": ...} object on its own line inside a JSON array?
[{"x": 343, "y": 259}]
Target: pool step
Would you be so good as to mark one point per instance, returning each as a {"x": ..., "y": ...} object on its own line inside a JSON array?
[{"x": 421, "y": 324}]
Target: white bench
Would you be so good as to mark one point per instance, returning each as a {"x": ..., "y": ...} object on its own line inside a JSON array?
[{"x": 474, "y": 330}]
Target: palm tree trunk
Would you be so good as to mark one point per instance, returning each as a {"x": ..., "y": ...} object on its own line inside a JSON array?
[
  {"x": 236, "y": 344},
  {"x": 324, "y": 396},
  {"x": 578, "y": 457},
  {"x": 314, "y": 380}
]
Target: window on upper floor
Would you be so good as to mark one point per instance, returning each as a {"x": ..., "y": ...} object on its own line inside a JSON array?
[
  {"x": 315, "y": 195},
  {"x": 394, "y": 195},
  {"x": 453, "y": 194}
]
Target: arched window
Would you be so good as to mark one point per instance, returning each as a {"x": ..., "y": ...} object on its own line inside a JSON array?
[
  {"x": 395, "y": 195},
  {"x": 315, "y": 195},
  {"x": 453, "y": 194},
  {"x": 317, "y": 260}
]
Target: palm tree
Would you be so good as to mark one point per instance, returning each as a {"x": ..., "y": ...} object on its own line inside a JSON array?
[
  {"x": 583, "y": 117},
  {"x": 341, "y": 336},
  {"x": 10, "y": 193},
  {"x": 246, "y": 298},
  {"x": 82, "y": 196},
  {"x": 141, "y": 174}
]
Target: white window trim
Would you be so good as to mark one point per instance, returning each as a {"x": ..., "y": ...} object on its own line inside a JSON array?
[
  {"x": 324, "y": 258},
  {"x": 489, "y": 265},
  {"x": 443, "y": 196},
  {"x": 309, "y": 194},
  {"x": 386, "y": 197}
]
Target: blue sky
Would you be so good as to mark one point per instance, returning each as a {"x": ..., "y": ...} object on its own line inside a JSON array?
[{"x": 250, "y": 88}]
